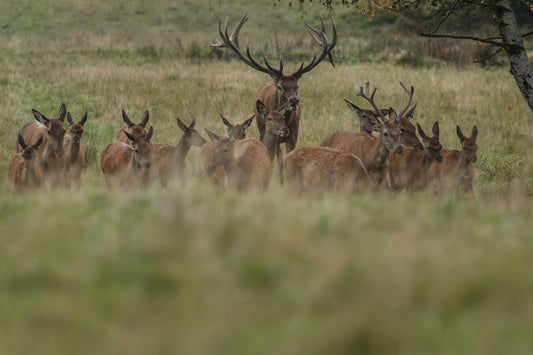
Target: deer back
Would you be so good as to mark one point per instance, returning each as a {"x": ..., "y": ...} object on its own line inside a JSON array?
[{"x": 321, "y": 169}]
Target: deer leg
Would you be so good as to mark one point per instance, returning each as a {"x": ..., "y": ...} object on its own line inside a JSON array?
[{"x": 279, "y": 158}]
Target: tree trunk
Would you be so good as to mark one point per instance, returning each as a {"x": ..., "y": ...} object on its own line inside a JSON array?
[{"x": 514, "y": 49}]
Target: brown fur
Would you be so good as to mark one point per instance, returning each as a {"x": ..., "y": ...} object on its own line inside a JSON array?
[
  {"x": 411, "y": 169},
  {"x": 456, "y": 169},
  {"x": 24, "y": 172},
  {"x": 374, "y": 152},
  {"x": 168, "y": 160},
  {"x": 138, "y": 131},
  {"x": 51, "y": 154},
  {"x": 246, "y": 163},
  {"x": 217, "y": 176},
  {"x": 74, "y": 154},
  {"x": 126, "y": 166},
  {"x": 321, "y": 169}
]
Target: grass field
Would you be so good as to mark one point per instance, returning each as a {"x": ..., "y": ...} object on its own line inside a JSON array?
[{"x": 193, "y": 270}]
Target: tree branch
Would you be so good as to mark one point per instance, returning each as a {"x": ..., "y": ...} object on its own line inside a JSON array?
[{"x": 477, "y": 39}]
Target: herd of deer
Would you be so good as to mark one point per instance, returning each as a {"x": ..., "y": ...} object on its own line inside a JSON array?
[{"x": 344, "y": 161}]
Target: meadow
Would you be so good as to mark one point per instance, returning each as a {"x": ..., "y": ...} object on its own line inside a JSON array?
[{"x": 195, "y": 270}]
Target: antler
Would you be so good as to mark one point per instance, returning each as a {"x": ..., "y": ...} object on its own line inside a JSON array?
[
  {"x": 410, "y": 93},
  {"x": 320, "y": 37},
  {"x": 370, "y": 98},
  {"x": 232, "y": 42}
]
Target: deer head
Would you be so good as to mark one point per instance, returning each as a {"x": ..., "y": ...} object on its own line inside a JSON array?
[
  {"x": 29, "y": 152},
  {"x": 274, "y": 120},
  {"x": 286, "y": 85},
  {"x": 468, "y": 144},
  {"x": 76, "y": 129},
  {"x": 432, "y": 146},
  {"x": 222, "y": 152},
  {"x": 136, "y": 130},
  {"x": 237, "y": 131},
  {"x": 142, "y": 149},
  {"x": 191, "y": 135},
  {"x": 54, "y": 129}
]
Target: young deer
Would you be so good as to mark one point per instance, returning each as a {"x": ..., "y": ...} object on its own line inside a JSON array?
[
  {"x": 24, "y": 172},
  {"x": 51, "y": 154},
  {"x": 276, "y": 129},
  {"x": 246, "y": 162},
  {"x": 169, "y": 160},
  {"x": 74, "y": 157},
  {"x": 126, "y": 166},
  {"x": 456, "y": 168},
  {"x": 321, "y": 169},
  {"x": 137, "y": 131},
  {"x": 411, "y": 169},
  {"x": 217, "y": 176},
  {"x": 374, "y": 152}
]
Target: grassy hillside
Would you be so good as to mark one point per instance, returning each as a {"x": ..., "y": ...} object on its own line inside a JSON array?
[{"x": 192, "y": 270}]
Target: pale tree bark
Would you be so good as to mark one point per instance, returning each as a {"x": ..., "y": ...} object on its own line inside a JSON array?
[{"x": 514, "y": 49}]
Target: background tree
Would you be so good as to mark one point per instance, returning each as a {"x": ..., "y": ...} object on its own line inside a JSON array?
[{"x": 502, "y": 16}]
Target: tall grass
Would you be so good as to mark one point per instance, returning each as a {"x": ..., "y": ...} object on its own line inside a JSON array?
[{"x": 193, "y": 270}]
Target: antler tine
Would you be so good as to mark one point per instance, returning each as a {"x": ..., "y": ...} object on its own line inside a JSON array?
[
  {"x": 364, "y": 94},
  {"x": 319, "y": 36},
  {"x": 410, "y": 93}
]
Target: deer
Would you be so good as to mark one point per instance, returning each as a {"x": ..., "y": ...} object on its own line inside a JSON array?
[
  {"x": 320, "y": 169},
  {"x": 368, "y": 122},
  {"x": 24, "y": 171},
  {"x": 456, "y": 169},
  {"x": 125, "y": 166},
  {"x": 283, "y": 87},
  {"x": 51, "y": 154},
  {"x": 246, "y": 162},
  {"x": 74, "y": 155},
  {"x": 238, "y": 131},
  {"x": 411, "y": 169},
  {"x": 373, "y": 151},
  {"x": 138, "y": 131},
  {"x": 276, "y": 129},
  {"x": 169, "y": 160}
]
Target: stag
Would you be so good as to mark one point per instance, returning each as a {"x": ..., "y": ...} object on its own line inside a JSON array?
[
  {"x": 411, "y": 169},
  {"x": 169, "y": 160},
  {"x": 138, "y": 131},
  {"x": 74, "y": 157},
  {"x": 283, "y": 87},
  {"x": 24, "y": 172},
  {"x": 246, "y": 162},
  {"x": 238, "y": 131},
  {"x": 321, "y": 169},
  {"x": 51, "y": 154},
  {"x": 456, "y": 169},
  {"x": 126, "y": 166},
  {"x": 374, "y": 152}
]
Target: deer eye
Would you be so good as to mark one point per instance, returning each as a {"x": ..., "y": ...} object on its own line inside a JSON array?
[
  {"x": 386, "y": 134},
  {"x": 402, "y": 129}
]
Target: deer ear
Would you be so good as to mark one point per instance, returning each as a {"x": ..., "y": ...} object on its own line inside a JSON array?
[
  {"x": 226, "y": 123},
  {"x": 247, "y": 123},
  {"x": 126, "y": 119},
  {"x": 22, "y": 143},
  {"x": 460, "y": 134},
  {"x": 260, "y": 107},
  {"x": 435, "y": 129},
  {"x": 352, "y": 107},
  {"x": 62, "y": 112},
  {"x": 181, "y": 125},
  {"x": 474, "y": 132},
  {"x": 393, "y": 116},
  {"x": 212, "y": 135},
  {"x": 144, "y": 119},
  {"x": 40, "y": 117},
  {"x": 409, "y": 115},
  {"x": 84, "y": 119},
  {"x": 421, "y": 131},
  {"x": 149, "y": 134},
  {"x": 193, "y": 123},
  {"x": 131, "y": 138},
  {"x": 38, "y": 143},
  {"x": 69, "y": 119}
]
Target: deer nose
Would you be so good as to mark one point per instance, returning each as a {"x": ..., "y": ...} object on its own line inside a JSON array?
[
  {"x": 439, "y": 158},
  {"x": 419, "y": 147},
  {"x": 399, "y": 149},
  {"x": 284, "y": 132}
]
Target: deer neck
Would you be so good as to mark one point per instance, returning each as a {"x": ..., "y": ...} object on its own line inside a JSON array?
[
  {"x": 381, "y": 154},
  {"x": 73, "y": 152},
  {"x": 182, "y": 149},
  {"x": 270, "y": 141}
]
